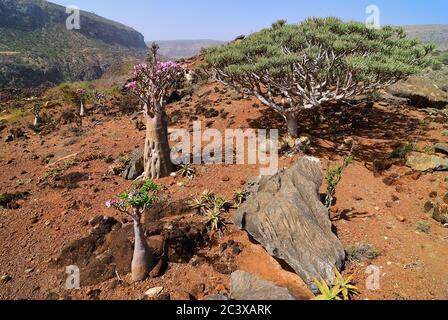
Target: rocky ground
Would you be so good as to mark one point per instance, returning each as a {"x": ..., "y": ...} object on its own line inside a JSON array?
[{"x": 57, "y": 183}]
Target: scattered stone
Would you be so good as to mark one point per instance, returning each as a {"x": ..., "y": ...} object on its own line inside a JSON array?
[
  {"x": 389, "y": 204},
  {"x": 6, "y": 278},
  {"x": 217, "y": 297},
  {"x": 159, "y": 269},
  {"x": 135, "y": 167},
  {"x": 9, "y": 138},
  {"x": 441, "y": 147},
  {"x": 433, "y": 195},
  {"x": 445, "y": 198},
  {"x": 297, "y": 216},
  {"x": 429, "y": 205},
  {"x": 29, "y": 270},
  {"x": 154, "y": 292},
  {"x": 180, "y": 296},
  {"x": 246, "y": 286},
  {"x": 401, "y": 219},
  {"x": 226, "y": 179},
  {"x": 424, "y": 162}
]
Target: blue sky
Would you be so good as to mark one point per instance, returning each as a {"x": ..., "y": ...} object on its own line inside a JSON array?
[{"x": 226, "y": 19}]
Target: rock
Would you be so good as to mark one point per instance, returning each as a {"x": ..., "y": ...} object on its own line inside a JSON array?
[
  {"x": 154, "y": 292},
  {"x": 217, "y": 297},
  {"x": 6, "y": 278},
  {"x": 401, "y": 219},
  {"x": 421, "y": 92},
  {"x": 9, "y": 138},
  {"x": 445, "y": 198},
  {"x": 424, "y": 162},
  {"x": 297, "y": 216},
  {"x": 441, "y": 147},
  {"x": 180, "y": 296},
  {"x": 429, "y": 205},
  {"x": 157, "y": 245},
  {"x": 135, "y": 167},
  {"x": 246, "y": 286},
  {"x": 159, "y": 269}
]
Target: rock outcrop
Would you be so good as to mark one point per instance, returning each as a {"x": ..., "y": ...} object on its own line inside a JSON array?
[
  {"x": 246, "y": 286},
  {"x": 135, "y": 167},
  {"x": 421, "y": 92},
  {"x": 286, "y": 216},
  {"x": 425, "y": 162},
  {"x": 53, "y": 53}
]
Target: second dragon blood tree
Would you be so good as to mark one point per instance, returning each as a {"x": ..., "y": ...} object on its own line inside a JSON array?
[
  {"x": 134, "y": 203},
  {"x": 151, "y": 84}
]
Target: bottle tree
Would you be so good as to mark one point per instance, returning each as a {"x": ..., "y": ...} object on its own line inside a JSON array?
[
  {"x": 291, "y": 68},
  {"x": 151, "y": 84},
  {"x": 134, "y": 203}
]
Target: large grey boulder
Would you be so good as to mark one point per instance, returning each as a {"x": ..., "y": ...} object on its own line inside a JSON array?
[
  {"x": 135, "y": 167},
  {"x": 421, "y": 92},
  {"x": 426, "y": 162},
  {"x": 246, "y": 286},
  {"x": 285, "y": 215}
]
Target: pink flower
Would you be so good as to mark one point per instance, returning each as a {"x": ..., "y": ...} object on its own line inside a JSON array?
[
  {"x": 111, "y": 203},
  {"x": 131, "y": 85}
]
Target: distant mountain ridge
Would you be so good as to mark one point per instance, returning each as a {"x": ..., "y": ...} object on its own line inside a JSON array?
[
  {"x": 37, "y": 48},
  {"x": 177, "y": 49},
  {"x": 437, "y": 34}
]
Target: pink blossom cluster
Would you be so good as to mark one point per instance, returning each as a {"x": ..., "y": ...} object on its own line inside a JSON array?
[
  {"x": 80, "y": 92},
  {"x": 167, "y": 66}
]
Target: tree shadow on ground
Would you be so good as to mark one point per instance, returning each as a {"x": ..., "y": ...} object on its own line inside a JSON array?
[{"x": 375, "y": 130}]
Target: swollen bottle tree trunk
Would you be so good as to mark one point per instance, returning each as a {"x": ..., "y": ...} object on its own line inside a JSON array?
[
  {"x": 37, "y": 121},
  {"x": 142, "y": 258},
  {"x": 82, "y": 110},
  {"x": 157, "y": 151}
]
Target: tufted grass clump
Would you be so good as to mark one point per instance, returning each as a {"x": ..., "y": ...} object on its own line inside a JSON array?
[{"x": 361, "y": 252}]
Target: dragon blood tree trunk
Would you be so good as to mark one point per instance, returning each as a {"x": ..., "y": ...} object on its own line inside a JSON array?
[
  {"x": 157, "y": 150},
  {"x": 293, "y": 127},
  {"x": 142, "y": 259}
]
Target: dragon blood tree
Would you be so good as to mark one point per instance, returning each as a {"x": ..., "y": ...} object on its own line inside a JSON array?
[
  {"x": 151, "y": 84},
  {"x": 133, "y": 204},
  {"x": 80, "y": 93},
  {"x": 291, "y": 68}
]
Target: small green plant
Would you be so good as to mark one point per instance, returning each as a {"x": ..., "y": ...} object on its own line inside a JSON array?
[
  {"x": 215, "y": 221},
  {"x": 327, "y": 293},
  {"x": 221, "y": 204},
  {"x": 239, "y": 197},
  {"x": 340, "y": 288},
  {"x": 424, "y": 227},
  {"x": 374, "y": 96},
  {"x": 348, "y": 290},
  {"x": 333, "y": 177},
  {"x": 187, "y": 170},
  {"x": 208, "y": 196},
  {"x": 200, "y": 205},
  {"x": 402, "y": 151},
  {"x": 430, "y": 149},
  {"x": 361, "y": 252}
]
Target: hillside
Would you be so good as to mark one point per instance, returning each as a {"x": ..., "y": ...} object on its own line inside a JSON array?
[
  {"x": 36, "y": 48},
  {"x": 437, "y": 34},
  {"x": 177, "y": 49}
]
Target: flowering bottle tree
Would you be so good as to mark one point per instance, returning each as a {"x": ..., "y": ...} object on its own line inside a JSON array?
[
  {"x": 151, "y": 84},
  {"x": 81, "y": 93},
  {"x": 36, "y": 111},
  {"x": 134, "y": 204}
]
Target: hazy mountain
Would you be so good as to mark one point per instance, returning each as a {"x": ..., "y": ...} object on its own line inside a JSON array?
[
  {"x": 176, "y": 49},
  {"x": 437, "y": 34},
  {"x": 36, "y": 47}
]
